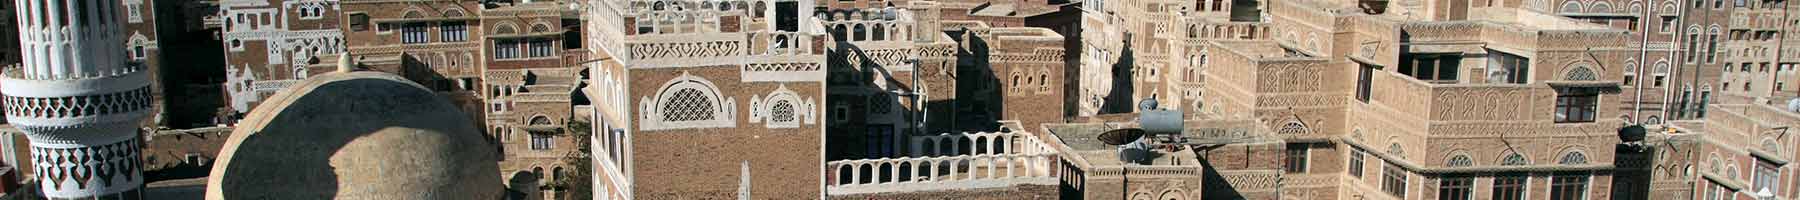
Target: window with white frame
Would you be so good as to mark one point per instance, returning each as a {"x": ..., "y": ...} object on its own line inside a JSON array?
[
  {"x": 414, "y": 33},
  {"x": 506, "y": 48},
  {"x": 1394, "y": 180},
  {"x": 456, "y": 31},
  {"x": 540, "y": 141},
  {"x": 1570, "y": 185},
  {"x": 1767, "y": 176},
  {"x": 540, "y": 48},
  {"x": 1296, "y": 158}
]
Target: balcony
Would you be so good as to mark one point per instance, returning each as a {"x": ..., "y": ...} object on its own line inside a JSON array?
[
  {"x": 950, "y": 162},
  {"x": 1483, "y": 109}
]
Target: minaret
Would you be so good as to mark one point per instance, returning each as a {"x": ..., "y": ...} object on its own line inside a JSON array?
[{"x": 78, "y": 99}]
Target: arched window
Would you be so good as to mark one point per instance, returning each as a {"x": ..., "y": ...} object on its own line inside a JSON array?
[
  {"x": 1514, "y": 159},
  {"x": 687, "y": 102},
  {"x": 1394, "y": 149},
  {"x": 1580, "y": 73},
  {"x": 507, "y": 29},
  {"x": 1459, "y": 161},
  {"x": 859, "y": 33},
  {"x": 1571, "y": 7},
  {"x": 1573, "y": 158},
  {"x": 1771, "y": 146},
  {"x": 1600, "y": 7},
  {"x": 1293, "y": 127},
  {"x": 1659, "y": 74},
  {"x": 540, "y": 120},
  {"x": 540, "y": 28}
]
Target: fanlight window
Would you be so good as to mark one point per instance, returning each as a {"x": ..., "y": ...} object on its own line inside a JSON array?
[
  {"x": 688, "y": 104},
  {"x": 782, "y": 109},
  {"x": 1573, "y": 158},
  {"x": 1581, "y": 74},
  {"x": 1514, "y": 159},
  {"x": 782, "y": 112},
  {"x": 1459, "y": 161},
  {"x": 540, "y": 120},
  {"x": 1396, "y": 151},
  {"x": 1292, "y": 128},
  {"x": 1771, "y": 146}
]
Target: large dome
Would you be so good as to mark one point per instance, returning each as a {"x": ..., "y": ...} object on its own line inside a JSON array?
[{"x": 356, "y": 135}]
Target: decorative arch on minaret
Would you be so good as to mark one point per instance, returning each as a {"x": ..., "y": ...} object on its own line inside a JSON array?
[
  {"x": 687, "y": 102},
  {"x": 783, "y": 109}
]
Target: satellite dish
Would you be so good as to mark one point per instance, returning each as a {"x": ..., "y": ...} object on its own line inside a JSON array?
[{"x": 1121, "y": 136}]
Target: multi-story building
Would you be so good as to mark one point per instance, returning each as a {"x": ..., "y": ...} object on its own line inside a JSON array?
[
  {"x": 141, "y": 46},
  {"x": 1282, "y": 99},
  {"x": 907, "y": 72},
  {"x": 714, "y": 85},
  {"x": 80, "y": 99},
  {"x": 270, "y": 45}
]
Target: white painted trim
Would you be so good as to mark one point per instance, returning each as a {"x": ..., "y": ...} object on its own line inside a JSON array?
[
  {"x": 724, "y": 108},
  {"x": 78, "y": 87}
]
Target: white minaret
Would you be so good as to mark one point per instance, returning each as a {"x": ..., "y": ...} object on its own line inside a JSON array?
[{"x": 78, "y": 99}]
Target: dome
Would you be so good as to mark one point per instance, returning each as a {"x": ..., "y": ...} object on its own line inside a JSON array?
[{"x": 356, "y": 135}]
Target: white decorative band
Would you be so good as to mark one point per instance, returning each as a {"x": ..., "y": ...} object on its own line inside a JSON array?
[
  {"x": 92, "y": 134},
  {"x": 88, "y": 171},
  {"x": 78, "y": 106},
  {"x": 77, "y": 87}
]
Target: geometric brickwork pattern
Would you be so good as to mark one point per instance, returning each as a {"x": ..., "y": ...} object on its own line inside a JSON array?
[
  {"x": 95, "y": 168},
  {"x": 79, "y": 106}
]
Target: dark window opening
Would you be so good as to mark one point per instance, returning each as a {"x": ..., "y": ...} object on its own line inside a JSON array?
[
  {"x": 787, "y": 16},
  {"x": 359, "y": 22},
  {"x": 1364, "y": 81},
  {"x": 1576, "y": 106},
  {"x": 1434, "y": 68},
  {"x": 1296, "y": 158},
  {"x": 1455, "y": 187}
]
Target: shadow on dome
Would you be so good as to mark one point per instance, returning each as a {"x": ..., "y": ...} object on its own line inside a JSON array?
[{"x": 359, "y": 135}]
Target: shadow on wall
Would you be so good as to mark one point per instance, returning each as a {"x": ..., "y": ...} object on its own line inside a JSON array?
[
  {"x": 980, "y": 103},
  {"x": 1120, "y": 100},
  {"x": 857, "y": 81},
  {"x": 1222, "y": 191}
]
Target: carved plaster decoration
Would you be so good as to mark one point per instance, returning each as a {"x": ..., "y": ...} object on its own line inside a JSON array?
[
  {"x": 687, "y": 102},
  {"x": 237, "y": 83},
  {"x": 782, "y": 109}
]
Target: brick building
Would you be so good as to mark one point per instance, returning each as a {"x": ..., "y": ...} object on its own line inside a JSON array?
[
  {"x": 910, "y": 71},
  {"x": 271, "y": 44},
  {"x": 711, "y": 80}
]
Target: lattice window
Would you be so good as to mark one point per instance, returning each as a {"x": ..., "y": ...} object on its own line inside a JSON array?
[
  {"x": 687, "y": 102},
  {"x": 1459, "y": 161},
  {"x": 688, "y": 105},
  {"x": 782, "y": 112},
  {"x": 1581, "y": 73},
  {"x": 782, "y": 109},
  {"x": 1573, "y": 158},
  {"x": 1514, "y": 159},
  {"x": 1292, "y": 128}
]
